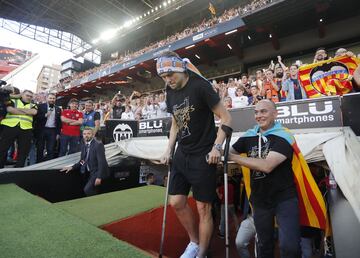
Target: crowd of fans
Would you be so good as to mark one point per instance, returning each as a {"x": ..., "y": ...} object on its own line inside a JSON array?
[
  {"x": 44, "y": 130},
  {"x": 195, "y": 28},
  {"x": 277, "y": 83}
]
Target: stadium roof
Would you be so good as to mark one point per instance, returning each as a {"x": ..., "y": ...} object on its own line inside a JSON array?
[
  {"x": 87, "y": 19},
  {"x": 83, "y": 18},
  {"x": 84, "y": 27}
]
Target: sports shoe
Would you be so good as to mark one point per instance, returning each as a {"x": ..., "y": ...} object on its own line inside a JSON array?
[{"x": 191, "y": 250}]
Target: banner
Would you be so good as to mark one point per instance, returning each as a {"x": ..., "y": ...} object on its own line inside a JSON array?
[
  {"x": 154, "y": 127},
  {"x": 118, "y": 130},
  {"x": 299, "y": 114},
  {"x": 328, "y": 78}
]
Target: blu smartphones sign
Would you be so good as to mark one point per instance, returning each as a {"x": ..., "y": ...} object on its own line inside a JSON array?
[
  {"x": 310, "y": 114},
  {"x": 154, "y": 127},
  {"x": 300, "y": 114}
]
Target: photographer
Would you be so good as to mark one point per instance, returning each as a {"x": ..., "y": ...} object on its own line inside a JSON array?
[
  {"x": 47, "y": 128},
  {"x": 18, "y": 125}
]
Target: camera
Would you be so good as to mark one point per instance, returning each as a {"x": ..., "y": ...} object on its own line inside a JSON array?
[
  {"x": 4, "y": 93},
  {"x": 4, "y": 98}
]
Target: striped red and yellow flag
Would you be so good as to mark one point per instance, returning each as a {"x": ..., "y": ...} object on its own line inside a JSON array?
[
  {"x": 329, "y": 77},
  {"x": 311, "y": 203},
  {"x": 312, "y": 209}
]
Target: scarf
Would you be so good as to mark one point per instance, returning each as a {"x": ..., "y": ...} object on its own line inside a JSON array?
[
  {"x": 311, "y": 203},
  {"x": 176, "y": 64}
]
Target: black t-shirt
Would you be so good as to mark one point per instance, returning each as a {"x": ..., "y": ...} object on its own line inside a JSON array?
[
  {"x": 267, "y": 190},
  {"x": 117, "y": 111},
  {"x": 297, "y": 89},
  {"x": 191, "y": 107}
]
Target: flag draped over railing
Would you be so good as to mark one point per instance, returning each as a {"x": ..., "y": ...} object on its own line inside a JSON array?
[{"x": 329, "y": 77}]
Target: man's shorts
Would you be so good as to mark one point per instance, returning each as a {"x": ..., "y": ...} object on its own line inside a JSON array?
[{"x": 193, "y": 171}]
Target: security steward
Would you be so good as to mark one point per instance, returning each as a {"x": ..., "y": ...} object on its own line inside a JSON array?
[{"x": 18, "y": 125}]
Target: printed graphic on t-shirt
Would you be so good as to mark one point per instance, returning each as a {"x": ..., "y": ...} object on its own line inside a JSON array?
[
  {"x": 182, "y": 116},
  {"x": 254, "y": 153}
]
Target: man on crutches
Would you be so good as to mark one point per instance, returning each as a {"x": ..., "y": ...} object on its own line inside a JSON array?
[{"x": 192, "y": 102}]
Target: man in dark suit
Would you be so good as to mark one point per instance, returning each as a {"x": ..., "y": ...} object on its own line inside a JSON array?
[
  {"x": 92, "y": 165},
  {"x": 47, "y": 128}
]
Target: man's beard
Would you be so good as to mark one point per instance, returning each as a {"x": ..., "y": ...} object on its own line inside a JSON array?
[
  {"x": 88, "y": 140},
  {"x": 279, "y": 75}
]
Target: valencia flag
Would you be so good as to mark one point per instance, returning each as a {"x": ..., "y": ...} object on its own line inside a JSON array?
[
  {"x": 329, "y": 77},
  {"x": 312, "y": 207}
]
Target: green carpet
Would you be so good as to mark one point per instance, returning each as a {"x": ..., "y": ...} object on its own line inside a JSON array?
[
  {"x": 105, "y": 208},
  {"x": 32, "y": 227}
]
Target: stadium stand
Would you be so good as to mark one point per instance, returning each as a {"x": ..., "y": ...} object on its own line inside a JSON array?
[{"x": 246, "y": 49}]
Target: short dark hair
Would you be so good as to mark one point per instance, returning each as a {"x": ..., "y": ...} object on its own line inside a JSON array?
[
  {"x": 51, "y": 94},
  {"x": 73, "y": 100},
  {"x": 28, "y": 91}
]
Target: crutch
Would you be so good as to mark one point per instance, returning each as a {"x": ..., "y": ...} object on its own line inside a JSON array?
[
  {"x": 165, "y": 205},
  {"x": 228, "y": 131}
]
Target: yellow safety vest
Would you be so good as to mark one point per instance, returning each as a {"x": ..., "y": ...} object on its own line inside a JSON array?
[{"x": 25, "y": 121}]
